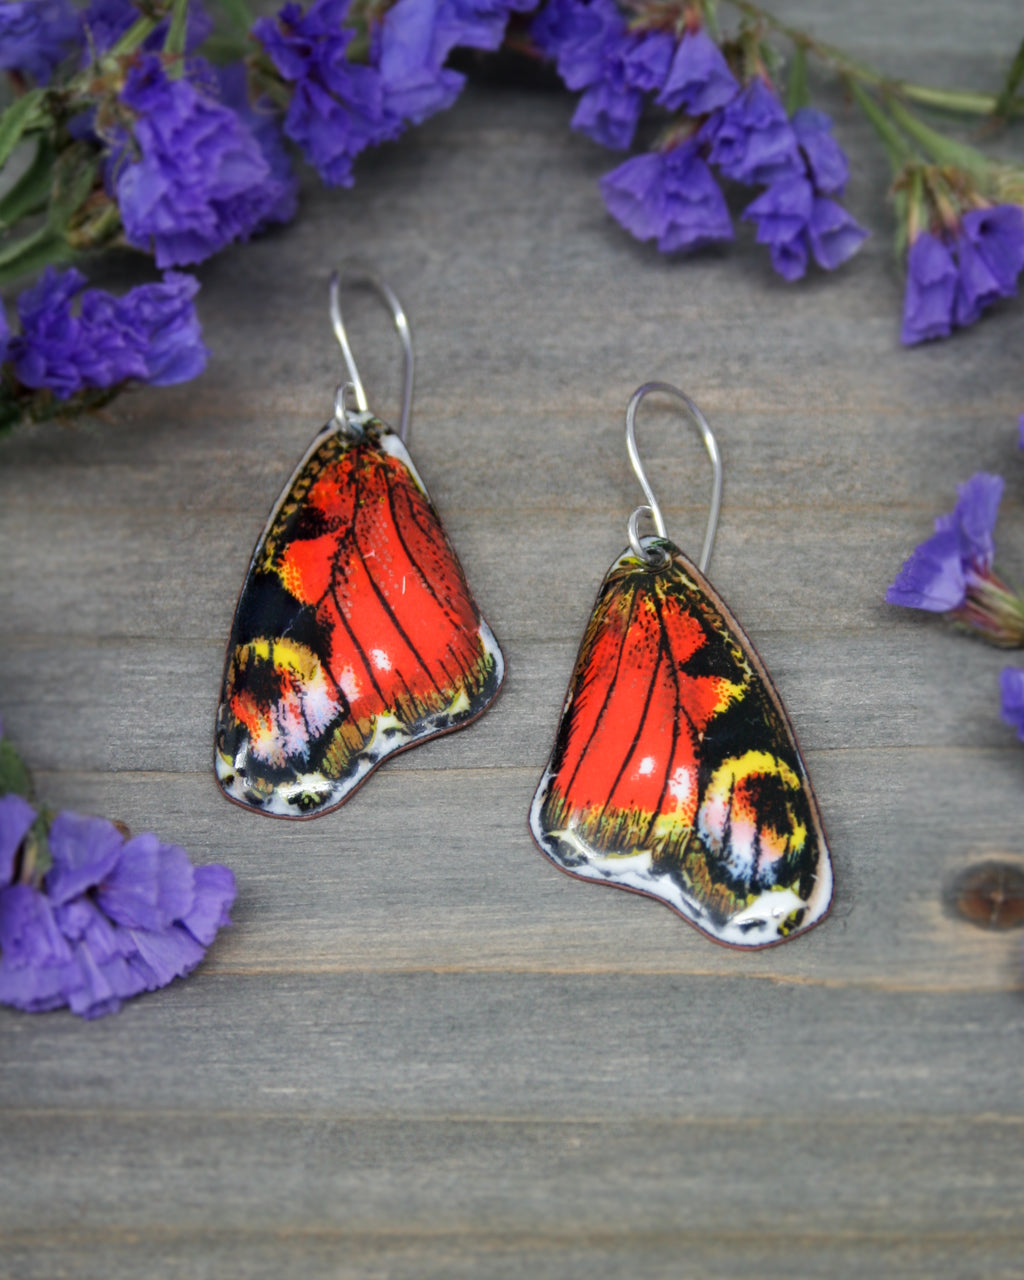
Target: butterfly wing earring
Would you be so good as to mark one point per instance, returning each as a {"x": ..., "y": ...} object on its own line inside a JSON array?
[
  {"x": 355, "y": 635},
  {"x": 675, "y": 772}
]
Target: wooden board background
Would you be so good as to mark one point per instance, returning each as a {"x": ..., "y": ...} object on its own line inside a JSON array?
[{"x": 421, "y": 1052}]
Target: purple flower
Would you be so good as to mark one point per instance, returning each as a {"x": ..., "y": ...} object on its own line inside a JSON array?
[
  {"x": 16, "y": 816},
  {"x": 668, "y": 196},
  {"x": 5, "y": 333},
  {"x": 782, "y": 213},
  {"x": 475, "y": 24},
  {"x": 151, "y": 334},
  {"x": 36, "y": 962},
  {"x": 106, "y": 21},
  {"x": 333, "y": 130},
  {"x": 1011, "y": 689},
  {"x": 609, "y": 109},
  {"x": 200, "y": 181},
  {"x": 835, "y": 236},
  {"x": 112, "y": 919},
  {"x": 699, "y": 80},
  {"x": 950, "y": 283},
  {"x": 791, "y": 219},
  {"x": 594, "y": 50},
  {"x": 84, "y": 851},
  {"x": 997, "y": 237},
  {"x": 751, "y": 139},
  {"x": 931, "y": 290},
  {"x": 150, "y": 885},
  {"x": 959, "y": 553},
  {"x": 990, "y": 254},
  {"x": 263, "y": 121},
  {"x": 951, "y": 572},
  {"x": 35, "y": 35},
  {"x": 337, "y": 108},
  {"x": 163, "y": 320},
  {"x": 410, "y": 53},
  {"x": 608, "y": 115},
  {"x": 57, "y": 350},
  {"x": 1020, "y": 425},
  {"x": 826, "y": 161},
  {"x": 933, "y": 578},
  {"x": 577, "y": 34},
  {"x": 976, "y": 286}
]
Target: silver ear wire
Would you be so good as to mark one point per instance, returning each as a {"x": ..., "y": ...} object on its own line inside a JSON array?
[
  {"x": 357, "y": 273},
  {"x": 652, "y": 509}
]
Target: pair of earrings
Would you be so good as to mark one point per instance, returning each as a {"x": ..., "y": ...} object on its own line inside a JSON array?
[{"x": 674, "y": 772}]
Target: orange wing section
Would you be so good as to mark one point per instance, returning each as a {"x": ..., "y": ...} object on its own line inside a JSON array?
[
  {"x": 675, "y": 772},
  {"x": 355, "y": 636}
]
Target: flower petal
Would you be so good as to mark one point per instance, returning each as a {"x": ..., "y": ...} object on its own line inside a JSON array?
[
  {"x": 932, "y": 578},
  {"x": 84, "y": 850}
]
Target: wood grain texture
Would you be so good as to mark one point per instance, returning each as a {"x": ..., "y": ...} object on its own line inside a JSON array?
[{"x": 421, "y": 1052}]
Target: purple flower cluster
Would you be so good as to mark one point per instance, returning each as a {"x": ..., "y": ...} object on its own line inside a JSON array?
[
  {"x": 953, "y": 278},
  {"x": 671, "y": 196},
  {"x": 340, "y": 107},
  {"x": 337, "y": 107},
  {"x": 951, "y": 572},
  {"x": 151, "y": 334},
  {"x": 957, "y": 556},
  {"x": 36, "y": 35},
  {"x": 111, "y": 918},
  {"x": 192, "y": 177},
  {"x": 595, "y": 51},
  {"x": 668, "y": 196}
]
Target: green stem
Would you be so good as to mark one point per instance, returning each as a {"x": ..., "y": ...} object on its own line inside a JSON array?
[
  {"x": 133, "y": 37},
  {"x": 176, "y": 31},
  {"x": 957, "y": 101},
  {"x": 943, "y": 150},
  {"x": 896, "y": 145},
  {"x": 797, "y": 93}
]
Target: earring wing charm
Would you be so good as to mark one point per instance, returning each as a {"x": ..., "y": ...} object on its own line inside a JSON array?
[
  {"x": 355, "y": 635},
  {"x": 675, "y": 772}
]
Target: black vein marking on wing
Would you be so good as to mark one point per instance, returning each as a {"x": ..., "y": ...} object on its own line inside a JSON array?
[
  {"x": 640, "y": 725},
  {"x": 680, "y": 709},
  {"x": 430, "y": 532},
  {"x": 590, "y": 676}
]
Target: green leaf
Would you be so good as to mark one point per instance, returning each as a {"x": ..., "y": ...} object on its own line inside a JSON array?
[
  {"x": 74, "y": 176},
  {"x": 797, "y": 93},
  {"x": 29, "y": 194},
  {"x": 14, "y": 775},
  {"x": 24, "y": 113},
  {"x": 1010, "y": 86},
  {"x": 30, "y": 254}
]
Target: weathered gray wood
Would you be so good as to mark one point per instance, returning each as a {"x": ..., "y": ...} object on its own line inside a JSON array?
[{"x": 421, "y": 1052}]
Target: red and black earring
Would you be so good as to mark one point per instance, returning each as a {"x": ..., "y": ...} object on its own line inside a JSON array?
[
  {"x": 675, "y": 772},
  {"x": 355, "y": 635}
]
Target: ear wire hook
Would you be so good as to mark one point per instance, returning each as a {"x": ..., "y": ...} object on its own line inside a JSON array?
[
  {"x": 652, "y": 508},
  {"x": 357, "y": 273}
]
